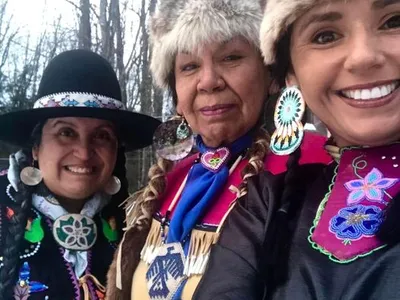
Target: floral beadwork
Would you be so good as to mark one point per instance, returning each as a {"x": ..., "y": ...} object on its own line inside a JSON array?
[
  {"x": 75, "y": 232},
  {"x": 352, "y": 223},
  {"x": 372, "y": 187},
  {"x": 347, "y": 219}
]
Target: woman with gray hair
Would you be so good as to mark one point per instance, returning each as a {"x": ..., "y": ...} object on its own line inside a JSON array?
[{"x": 207, "y": 53}]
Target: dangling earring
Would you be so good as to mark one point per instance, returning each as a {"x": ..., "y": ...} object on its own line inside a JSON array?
[
  {"x": 289, "y": 130},
  {"x": 173, "y": 140},
  {"x": 183, "y": 130},
  {"x": 113, "y": 186},
  {"x": 30, "y": 175}
]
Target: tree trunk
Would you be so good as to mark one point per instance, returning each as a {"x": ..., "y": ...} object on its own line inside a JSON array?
[
  {"x": 85, "y": 36},
  {"x": 146, "y": 81},
  {"x": 119, "y": 49}
]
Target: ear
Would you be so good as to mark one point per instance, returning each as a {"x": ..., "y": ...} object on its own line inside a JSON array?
[
  {"x": 35, "y": 152},
  {"x": 291, "y": 79}
]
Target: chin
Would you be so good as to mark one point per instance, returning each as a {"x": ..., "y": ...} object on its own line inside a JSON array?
[
  {"x": 80, "y": 194},
  {"x": 374, "y": 137}
]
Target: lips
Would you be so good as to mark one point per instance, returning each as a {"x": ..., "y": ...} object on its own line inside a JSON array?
[
  {"x": 216, "y": 109},
  {"x": 373, "y": 93}
]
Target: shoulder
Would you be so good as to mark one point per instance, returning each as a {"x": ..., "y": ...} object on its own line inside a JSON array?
[
  {"x": 304, "y": 175},
  {"x": 312, "y": 152}
]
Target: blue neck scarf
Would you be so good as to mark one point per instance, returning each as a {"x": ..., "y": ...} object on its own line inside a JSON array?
[{"x": 202, "y": 187}]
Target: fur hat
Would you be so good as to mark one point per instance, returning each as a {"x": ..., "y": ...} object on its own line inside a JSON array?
[
  {"x": 79, "y": 83},
  {"x": 183, "y": 25},
  {"x": 278, "y": 16}
]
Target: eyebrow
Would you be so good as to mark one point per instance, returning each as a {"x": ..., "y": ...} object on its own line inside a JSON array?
[
  {"x": 63, "y": 123},
  {"x": 335, "y": 16},
  {"x": 107, "y": 125},
  {"x": 380, "y": 4},
  {"x": 323, "y": 17}
]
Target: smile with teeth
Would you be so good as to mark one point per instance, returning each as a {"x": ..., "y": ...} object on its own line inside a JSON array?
[
  {"x": 80, "y": 170},
  {"x": 371, "y": 94}
]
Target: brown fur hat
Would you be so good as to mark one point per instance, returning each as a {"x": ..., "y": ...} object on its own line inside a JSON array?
[
  {"x": 183, "y": 25},
  {"x": 278, "y": 16}
]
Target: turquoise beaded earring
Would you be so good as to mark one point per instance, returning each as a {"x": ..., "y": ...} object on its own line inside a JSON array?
[{"x": 289, "y": 130}]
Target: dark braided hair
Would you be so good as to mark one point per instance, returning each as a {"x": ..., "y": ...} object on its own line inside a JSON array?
[
  {"x": 113, "y": 209},
  {"x": 278, "y": 236},
  {"x": 16, "y": 228}
]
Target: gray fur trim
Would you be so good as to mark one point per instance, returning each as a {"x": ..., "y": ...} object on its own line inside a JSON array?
[
  {"x": 278, "y": 16},
  {"x": 183, "y": 25}
]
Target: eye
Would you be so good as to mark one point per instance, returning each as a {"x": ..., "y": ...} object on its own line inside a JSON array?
[
  {"x": 392, "y": 23},
  {"x": 232, "y": 57},
  {"x": 104, "y": 136},
  {"x": 189, "y": 67},
  {"x": 67, "y": 132},
  {"x": 325, "y": 37}
]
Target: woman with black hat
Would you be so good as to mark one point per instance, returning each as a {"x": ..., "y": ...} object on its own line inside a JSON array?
[{"x": 59, "y": 209}]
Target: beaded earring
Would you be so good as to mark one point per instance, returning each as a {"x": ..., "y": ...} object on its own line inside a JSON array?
[{"x": 289, "y": 130}]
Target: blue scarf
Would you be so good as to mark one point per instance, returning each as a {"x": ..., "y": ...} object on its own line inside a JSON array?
[{"x": 202, "y": 187}]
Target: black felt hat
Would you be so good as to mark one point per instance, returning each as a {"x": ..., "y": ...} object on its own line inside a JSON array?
[{"x": 79, "y": 83}]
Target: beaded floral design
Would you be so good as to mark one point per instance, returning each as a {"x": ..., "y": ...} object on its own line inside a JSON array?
[
  {"x": 75, "y": 232},
  {"x": 352, "y": 223},
  {"x": 364, "y": 183},
  {"x": 372, "y": 187}
]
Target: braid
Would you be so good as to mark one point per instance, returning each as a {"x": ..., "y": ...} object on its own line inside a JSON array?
[
  {"x": 14, "y": 238},
  {"x": 282, "y": 226},
  {"x": 142, "y": 204},
  {"x": 259, "y": 149}
]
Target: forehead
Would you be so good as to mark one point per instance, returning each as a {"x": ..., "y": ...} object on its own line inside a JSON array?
[
  {"x": 217, "y": 46},
  {"x": 374, "y": 4},
  {"x": 87, "y": 123},
  {"x": 334, "y": 10}
]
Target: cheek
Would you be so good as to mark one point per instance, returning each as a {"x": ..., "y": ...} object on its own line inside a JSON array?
[
  {"x": 186, "y": 93},
  {"x": 109, "y": 157}
]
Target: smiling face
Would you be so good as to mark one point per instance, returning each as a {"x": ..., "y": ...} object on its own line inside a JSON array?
[
  {"x": 221, "y": 89},
  {"x": 346, "y": 60},
  {"x": 76, "y": 155}
]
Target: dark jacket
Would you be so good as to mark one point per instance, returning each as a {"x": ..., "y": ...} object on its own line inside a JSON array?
[
  {"x": 45, "y": 259},
  {"x": 250, "y": 262}
]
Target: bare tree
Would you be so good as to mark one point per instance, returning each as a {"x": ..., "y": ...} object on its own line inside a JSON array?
[
  {"x": 119, "y": 49},
  {"x": 84, "y": 35}
]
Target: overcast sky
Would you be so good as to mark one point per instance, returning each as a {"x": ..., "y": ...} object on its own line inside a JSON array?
[{"x": 32, "y": 15}]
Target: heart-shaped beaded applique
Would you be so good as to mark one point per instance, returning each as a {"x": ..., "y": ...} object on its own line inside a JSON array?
[{"x": 215, "y": 160}]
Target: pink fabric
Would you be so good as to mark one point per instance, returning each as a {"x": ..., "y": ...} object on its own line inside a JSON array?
[
  {"x": 312, "y": 152},
  {"x": 366, "y": 180}
]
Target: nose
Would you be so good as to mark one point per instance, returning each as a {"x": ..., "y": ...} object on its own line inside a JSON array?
[
  {"x": 365, "y": 53},
  {"x": 210, "y": 79},
  {"x": 84, "y": 150}
]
